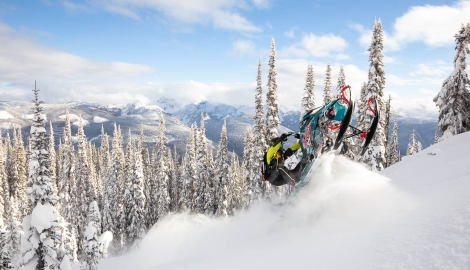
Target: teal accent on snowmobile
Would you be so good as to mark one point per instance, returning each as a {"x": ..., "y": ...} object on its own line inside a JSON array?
[{"x": 311, "y": 137}]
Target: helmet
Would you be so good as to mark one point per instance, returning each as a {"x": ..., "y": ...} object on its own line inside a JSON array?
[{"x": 336, "y": 112}]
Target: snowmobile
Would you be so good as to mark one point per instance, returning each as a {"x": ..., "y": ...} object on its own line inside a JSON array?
[{"x": 322, "y": 126}]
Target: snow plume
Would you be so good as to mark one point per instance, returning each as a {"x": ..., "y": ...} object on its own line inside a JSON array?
[{"x": 328, "y": 225}]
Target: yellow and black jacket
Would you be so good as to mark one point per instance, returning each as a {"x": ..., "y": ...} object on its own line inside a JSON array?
[{"x": 274, "y": 157}]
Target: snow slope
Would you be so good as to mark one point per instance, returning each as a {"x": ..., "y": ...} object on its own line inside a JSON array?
[{"x": 413, "y": 215}]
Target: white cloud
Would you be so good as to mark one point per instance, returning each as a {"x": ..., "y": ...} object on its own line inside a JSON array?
[
  {"x": 438, "y": 68},
  {"x": 414, "y": 107},
  {"x": 290, "y": 33},
  {"x": 433, "y": 25},
  {"x": 223, "y": 14},
  {"x": 58, "y": 73},
  {"x": 262, "y": 4},
  {"x": 23, "y": 60},
  {"x": 318, "y": 46},
  {"x": 244, "y": 47}
]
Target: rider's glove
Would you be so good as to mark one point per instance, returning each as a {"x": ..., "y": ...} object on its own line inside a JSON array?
[
  {"x": 297, "y": 135},
  {"x": 288, "y": 153},
  {"x": 284, "y": 136}
]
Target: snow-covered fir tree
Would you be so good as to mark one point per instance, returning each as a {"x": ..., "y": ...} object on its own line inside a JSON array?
[
  {"x": 189, "y": 174},
  {"x": 374, "y": 157},
  {"x": 234, "y": 196},
  {"x": 197, "y": 203},
  {"x": 163, "y": 171},
  {"x": 393, "y": 151},
  {"x": 361, "y": 115},
  {"x": 202, "y": 170},
  {"x": 52, "y": 160},
  {"x": 247, "y": 167},
  {"x": 221, "y": 174},
  {"x": 83, "y": 191},
  {"x": 272, "y": 115},
  {"x": 116, "y": 185},
  {"x": 4, "y": 187},
  {"x": 412, "y": 145},
  {"x": 308, "y": 100},
  {"x": 327, "y": 91},
  {"x": 137, "y": 211},
  {"x": 341, "y": 81},
  {"x": 95, "y": 180},
  {"x": 40, "y": 249},
  {"x": 436, "y": 137},
  {"x": 18, "y": 173},
  {"x": 386, "y": 116},
  {"x": 453, "y": 99},
  {"x": 105, "y": 162},
  {"x": 174, "y": 181},
  {"x": 91, "y": 253},
  {"x": 5, "y": 252},
  {"x": 259, "y": 142},
  {"x": 12, "y": 228},
  {"x": 67, "y": 172}
]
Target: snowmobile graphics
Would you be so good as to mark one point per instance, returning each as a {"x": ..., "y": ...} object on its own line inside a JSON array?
[{"x": 322, "y": 126}]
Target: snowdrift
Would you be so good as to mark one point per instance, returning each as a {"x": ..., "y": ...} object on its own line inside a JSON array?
[{"x": 413, "y": 215}]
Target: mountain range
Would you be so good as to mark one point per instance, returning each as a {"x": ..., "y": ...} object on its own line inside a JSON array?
[{"x": 178, "y": 120}]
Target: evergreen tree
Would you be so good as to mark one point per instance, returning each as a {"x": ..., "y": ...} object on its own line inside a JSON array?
[
  {"x": 393, "y": 150},
  {"x": 175, "y": 183},
  {"x": 221, "y": 174},
  {"x": 412, "y": 145},
  {"x": 308, "y": 100},
  {"x": 272, "y": 116},
  {"x": 453, "y": 99},
  {"x": 91, "y": 236},
  {"x": 362, "y": 108},
  {"x": 4, "y": 187},
  {"x": 84, "y": 191},
  {"x": 5, "y": 252},
  {"x": 247, "y": 166},
  {"x": 115, "y": 186},
  {"x": 386, "y": 115},
  {"x": 341, "y": 82},
  {"x": 202, "y": 170},
  {"x": 163, "y": 187},
  {"x": 52, "y": 160},
  {"x": 374, "y": 157},
  {"x": 259, "y": 142},
  {"x": 163, "y": 172},
  {"x": 234, "y": 194},
  {"x": 209, "y": 193},
  {"x": 327, "y": 91},
  {"x": 105, "y": 161},
  {"x": 43, "y": 220},
  {"x": 67, "y": 173},
  {"x": 18, "y": 184},
  {"x": 95, "y": 179},
  {"x": 436, "y": 137},
  {"x": 189, "y": 173},
  {"x": 13, "y": 230}
]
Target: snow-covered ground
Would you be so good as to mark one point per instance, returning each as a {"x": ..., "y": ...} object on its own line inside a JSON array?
[{"x": 413, "y": 215}]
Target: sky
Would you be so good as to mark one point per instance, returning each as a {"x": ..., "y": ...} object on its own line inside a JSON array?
[
  {"x": 412, "y": 215},
  {"x": 123, "y": 51}
]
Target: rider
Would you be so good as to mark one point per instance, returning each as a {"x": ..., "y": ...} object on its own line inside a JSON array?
[{"x": 274, "y": 170}]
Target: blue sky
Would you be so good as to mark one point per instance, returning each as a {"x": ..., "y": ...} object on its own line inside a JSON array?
[{"x": 120, "y": 51}]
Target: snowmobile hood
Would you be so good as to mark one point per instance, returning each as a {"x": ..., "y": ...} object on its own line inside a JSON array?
[{"x": 340, "y": 112}]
